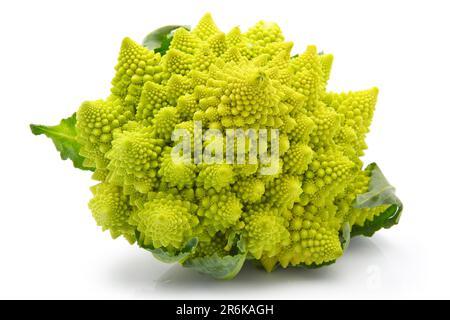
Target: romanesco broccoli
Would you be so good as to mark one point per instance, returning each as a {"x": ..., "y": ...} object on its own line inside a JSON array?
[{"x": 213, "y": 215}]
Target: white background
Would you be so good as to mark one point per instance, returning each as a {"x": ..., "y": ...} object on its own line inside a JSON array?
[{"x": 56, "y": 54}]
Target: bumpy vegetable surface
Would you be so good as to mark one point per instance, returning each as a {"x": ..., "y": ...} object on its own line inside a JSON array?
[{"x": 214, "y": 216}]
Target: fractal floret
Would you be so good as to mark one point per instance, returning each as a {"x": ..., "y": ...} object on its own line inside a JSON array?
[{"x": 176, "y": 195}]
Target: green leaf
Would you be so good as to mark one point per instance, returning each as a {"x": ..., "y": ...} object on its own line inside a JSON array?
[
  {"x": 380, "y": 193},
  {"x": 344, "y": 236},
  {"x": 166, "y": 256},
  {"x": 242, "y": 245},
  {"x": 159, "y": 39},
  {"x": 64, "y": 138},
  {"x": 223, "y": 268}
]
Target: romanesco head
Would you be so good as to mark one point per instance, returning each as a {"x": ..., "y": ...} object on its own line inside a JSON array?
[{"x": 227, "y": 81}]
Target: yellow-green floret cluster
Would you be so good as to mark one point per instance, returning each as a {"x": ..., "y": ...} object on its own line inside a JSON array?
[{"x": 247, "y": 80}]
